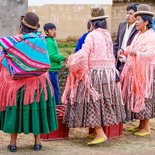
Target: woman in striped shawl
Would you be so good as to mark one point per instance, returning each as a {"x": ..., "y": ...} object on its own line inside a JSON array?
[{"x": 27, "y": 105}]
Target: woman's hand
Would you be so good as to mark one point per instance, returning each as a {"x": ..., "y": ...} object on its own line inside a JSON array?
[
  {"x": 122, "y": 58},
  {"x": 133, "y": 52},
  {"x": 120, "y": 52}
]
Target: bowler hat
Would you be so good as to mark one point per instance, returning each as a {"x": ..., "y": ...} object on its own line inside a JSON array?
[
  {"x": 97, "y": 13},
  {"x": 144, "y": 9},
  {"x": 31, "y": 20}
]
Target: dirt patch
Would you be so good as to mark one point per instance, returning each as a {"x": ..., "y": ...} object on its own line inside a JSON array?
[{"x": 127, "y": 144}]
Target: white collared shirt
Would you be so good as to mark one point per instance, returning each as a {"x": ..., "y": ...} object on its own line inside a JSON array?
[{"x": 126, "y": 35}]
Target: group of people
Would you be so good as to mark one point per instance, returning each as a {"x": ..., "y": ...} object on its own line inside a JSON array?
[
  {"x": 111, "y": 83},
  {"x": 108, "y": 83}
]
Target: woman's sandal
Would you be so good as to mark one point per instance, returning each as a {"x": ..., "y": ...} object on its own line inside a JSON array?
[
  {"x": 142, "y": 134},
  {"x": 37, "y": 147},
  {"x": 97, "y": 141},
  {"x": 132, "y": 129},
  {"x": 12, "y": 148}
]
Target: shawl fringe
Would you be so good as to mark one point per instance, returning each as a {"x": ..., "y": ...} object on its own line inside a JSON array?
[
  {"x": 86, "y": 91},
  {"x": 30, "y": 86},
  {"x": 139, "y": 84},
  {"x": 138, "y": 73},
  {"x": 96, "y": 55}
]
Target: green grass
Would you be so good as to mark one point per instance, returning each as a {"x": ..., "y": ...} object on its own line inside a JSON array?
[
  {"x": 70, "y": 44},
  {"x": 66, "y": 48},
  {"x": 66, "y": 51}
]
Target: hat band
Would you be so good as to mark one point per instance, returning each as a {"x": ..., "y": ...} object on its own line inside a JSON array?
[
  {"x": 98, "y": 18},
  {"x": 143, "y": 12},
  {"x": 28, "y": 25}
]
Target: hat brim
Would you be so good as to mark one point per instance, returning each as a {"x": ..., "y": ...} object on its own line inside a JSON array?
[
  {"x": 100, "y": 17},
  {"x": 30, "y": 26},
  {"x": 143, "y": 12}
]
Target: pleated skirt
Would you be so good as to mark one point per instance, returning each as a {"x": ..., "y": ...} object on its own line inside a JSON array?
[
  {"x": 33, "y": 118},
  {"x": 106, "y": 111}
]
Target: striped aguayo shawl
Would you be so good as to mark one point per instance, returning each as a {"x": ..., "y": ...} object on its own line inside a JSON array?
[{"x": 25, "y": 55}]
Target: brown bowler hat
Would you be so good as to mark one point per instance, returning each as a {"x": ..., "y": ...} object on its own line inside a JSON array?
[
  {"x": 97, "y": 13},
  {"x": 144, "y": 9},
  {"x": 30, "y": 20}
]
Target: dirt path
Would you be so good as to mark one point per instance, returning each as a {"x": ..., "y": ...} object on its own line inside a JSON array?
[{"x": 127, "y": 144}]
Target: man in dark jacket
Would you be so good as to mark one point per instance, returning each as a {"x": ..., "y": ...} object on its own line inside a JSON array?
[{"x": 126, "y": 32}]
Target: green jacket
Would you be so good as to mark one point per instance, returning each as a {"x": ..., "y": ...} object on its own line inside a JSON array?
[{"x": 53, "y": 52}]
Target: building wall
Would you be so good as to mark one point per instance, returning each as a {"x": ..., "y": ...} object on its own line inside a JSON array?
[
  {"x": 42, "y": 2},
  {"x": 10, "y": 12},
  {"x": 70, "y": 19}
]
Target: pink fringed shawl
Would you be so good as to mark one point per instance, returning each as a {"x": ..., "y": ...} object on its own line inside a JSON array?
[
  {"x": 10, "y": 87},
  {"x": 137, "y": 75},
  {"x": 96, "y": 53}
]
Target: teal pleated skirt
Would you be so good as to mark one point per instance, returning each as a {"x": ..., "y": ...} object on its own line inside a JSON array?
[{"x": 33, "y": 118}]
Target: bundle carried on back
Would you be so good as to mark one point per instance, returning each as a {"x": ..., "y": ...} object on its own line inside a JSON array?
[{"x": 25, "y": 55}]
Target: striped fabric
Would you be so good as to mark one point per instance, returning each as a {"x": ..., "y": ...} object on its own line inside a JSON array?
[{"x": 25, "y": 55}]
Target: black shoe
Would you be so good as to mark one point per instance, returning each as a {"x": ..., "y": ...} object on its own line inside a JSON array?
[
  {"x": 12, "y": 148},
  {"x": 37, "y": 147}
]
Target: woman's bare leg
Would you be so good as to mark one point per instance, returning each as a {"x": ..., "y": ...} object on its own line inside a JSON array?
[
  {"x": 37, "y": 139},
  {"x": 13, "y": 139},
  {"x": 99, "y": 132},
  {"x": 146, "y": 125}
]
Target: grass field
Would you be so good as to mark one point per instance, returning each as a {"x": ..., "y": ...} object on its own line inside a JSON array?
[{"x": 66, "y": 48}]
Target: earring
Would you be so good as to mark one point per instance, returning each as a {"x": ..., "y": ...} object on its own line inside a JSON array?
[{"x": 144, "y": 28}]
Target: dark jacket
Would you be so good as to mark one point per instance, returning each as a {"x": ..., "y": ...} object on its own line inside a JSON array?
[
  {"x": 118, "y": 42},
  {"x": 80, "y": 42}
]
